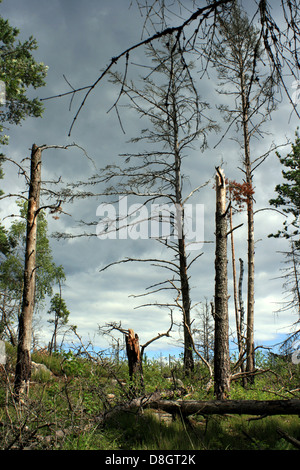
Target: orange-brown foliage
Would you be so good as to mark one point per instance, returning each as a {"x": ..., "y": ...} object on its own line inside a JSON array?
[{"x": 240, "y": 193}]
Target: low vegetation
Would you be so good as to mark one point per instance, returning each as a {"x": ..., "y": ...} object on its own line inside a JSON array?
[{"x": 67, "y": 398}]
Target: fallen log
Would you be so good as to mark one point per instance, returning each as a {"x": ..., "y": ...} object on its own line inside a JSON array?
[
  {"x": 186, "y": 408},
  {"x": 131, "y": 406},
  {"x": 221, "y": 407}
]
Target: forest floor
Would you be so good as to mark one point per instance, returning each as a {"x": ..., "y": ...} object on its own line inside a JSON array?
[{"x": 66, "y": 399}]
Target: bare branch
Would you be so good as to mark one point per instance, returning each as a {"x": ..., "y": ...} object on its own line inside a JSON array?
[
  {"x": 203, "y": 13},
  {"x": 191, "y": 337},
  {"x": 158, "y": 336},
  {"x": 151, "y": 260}
]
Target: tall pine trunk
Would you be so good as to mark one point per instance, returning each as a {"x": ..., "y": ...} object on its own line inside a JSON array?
[
  {"x": 250, "y": 363},
  {"x": 188, "y": 359},
  {"x": 235, "y": 287},
  {"x": 221, "y": 346},
  {"x": 23, "y": 366}
]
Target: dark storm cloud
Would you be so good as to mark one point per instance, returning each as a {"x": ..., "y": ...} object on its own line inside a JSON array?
[{"x": 77, "y": 39}]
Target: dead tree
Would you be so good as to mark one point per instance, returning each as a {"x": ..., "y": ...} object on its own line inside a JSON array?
[
  {"x": 134, "y": 351},
  {"x": 239, "y": 58},
  {"x": 23, "y": 365},
  {"x": 185, "y": 408},
  {"x": 241, "y": 302},
  {"x": 278, "y": 32},
  {"x": 134, "y": 359},
  {"x": 221, "y": 344},
  {"x": 234, "y": 278},
  {"x": 221, "y": 407},
  {"x": 174, "y": 111},
  {"x": 241, "y": 319}
]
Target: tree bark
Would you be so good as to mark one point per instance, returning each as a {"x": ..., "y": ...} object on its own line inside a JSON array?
[
  {"x": 221, "y": 345},
  {"x": 188, "y": 359},
  {"x": 23, "y": 366},
  {"x": 220, "y": 407},
  {"x": 241, "y": 302},
  {"x": 134, "y": 360},
  {"x": 250, "y": 364},
  {"x": 241, "y": 321},
  {"x": 52, "y": 344},
  {"x": 186, "y": 408},
  {"x": 235, "y": 289}
]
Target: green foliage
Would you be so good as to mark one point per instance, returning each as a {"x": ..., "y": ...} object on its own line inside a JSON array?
[
  {"x": 58, "y": 307},
  {"x": 288, "y": 199},
  {"x": 72, "y": 365},
  {"x": 20, "y": 72},
  {"x": 42, "y": 376},
  {"x": 80, "y": 390},
  {"x": 52, "y": 362},
  {"x": 4, "y": 242},
  {"x": 12, "y": 267}
]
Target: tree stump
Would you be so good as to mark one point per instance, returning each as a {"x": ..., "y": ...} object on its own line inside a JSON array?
[{"x": 134, "y": 360}]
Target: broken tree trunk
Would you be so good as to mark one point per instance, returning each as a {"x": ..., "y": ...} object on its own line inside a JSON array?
[
  {"x": 134, "y": 360},
  {"x": 221, "y": 347},
  {"x": 23, "y": 366}
]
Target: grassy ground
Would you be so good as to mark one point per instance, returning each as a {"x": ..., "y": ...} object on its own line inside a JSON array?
[{"x": 62, "y": 408}]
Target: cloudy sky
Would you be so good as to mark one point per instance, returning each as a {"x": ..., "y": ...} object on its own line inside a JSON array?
[{"x": 77, "y": 39}]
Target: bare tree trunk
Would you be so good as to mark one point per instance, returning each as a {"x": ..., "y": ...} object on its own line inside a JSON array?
[
  {"x": 235, "y": 287},
  {"x": 217, "y": 407},
  {"x": 250, "y": 299},
  {"x": 250, "y": 365},
  {"x": 185, "y": 408},
  {"x": 221, "y": 346},
  {"x": 205, "y": 332},
  {"x": 241, "y": 302},
  {"x": 188, "y": 359},
  {"x": 242, "y": 316},
  {"x": 53, "y": 343},
  {"x": 134, "y": 361},
  {"x": 23, "y": 366},
  {"x": 239, "y": 315}
]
